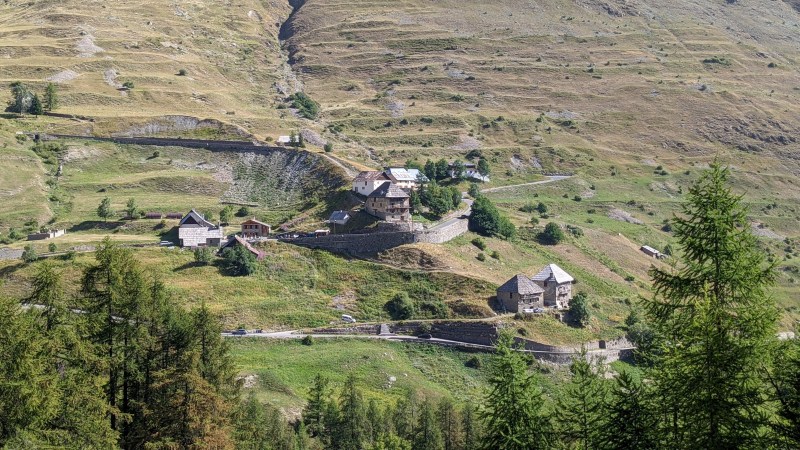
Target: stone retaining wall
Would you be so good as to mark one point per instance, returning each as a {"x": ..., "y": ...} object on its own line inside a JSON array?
[
  {"x": 444, "y": 234},
  {"x": 356, "y": 244}
]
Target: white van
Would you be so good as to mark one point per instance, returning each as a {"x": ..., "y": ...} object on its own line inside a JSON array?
[{"x": 348, "y": 318}]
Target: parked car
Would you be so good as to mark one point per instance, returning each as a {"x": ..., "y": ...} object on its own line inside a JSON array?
[
  {"x": 239, "y": 332},
  {"x": 348, "y": 318},
  {"x": 425, "y": 336},
  {"x": 165, "y": 243},
  {"x": 538, "y": 310}
]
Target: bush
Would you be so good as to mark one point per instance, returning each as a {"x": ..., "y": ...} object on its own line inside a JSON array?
[
  {"x": 480, "y": 243},
  {"x": 29, "y": 254},
  {"x": 481, "y": 257},
  {"x": 534, "y": 221},
  {"x": 474, "y": 363},
  {"x": 542, "y": 208},
  {"x": 182, "y": 73},
  {"x": 474, "y": 191},
  {"x": 575, "y": 231},
  {"x": 203, "y": 255},
  {"x": 244, "y": 211},
  {"x": 630, "y": 278},
  {"x": 400, "y": 307},
  {"x": 52, "y": 248},
  {"x": 238, "y": 261},
  {"x": 307, "y": 107},
  {"x": 128, "y": 85},
  {"x": 424, "y": 328},
  {"x": 579, "y": 309},
  {"x": 307, "y": 340},
  {"x": 552, "y": 234},
  {"x": 156, "y": 154},
  {"x": 577, "y": 198},
  {"x": 495, "y": 255},
  {"x": 328, "y": 147},
  {"x": 528, "y": 207}
]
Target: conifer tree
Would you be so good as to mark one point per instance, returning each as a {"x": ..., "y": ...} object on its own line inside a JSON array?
[
  {"x": 451, "y": 425},
  {"x": 716, "y": 320},
  {"x": 36, "y": 106},
  {"x": 314, "y": 411},
  {"x": 514, "y": 416},
  {"x": 352, "y": 416},
  {"x": 630, "y": 424},
  {"x": 785, "y": 381},
  {"x": 580, "y": 409},
  {"x": 50, "y": 97},
  {"x": 427, "y": 435},
  {"x": 406, "y": 415},
  {"x": 471, "y": 427}
]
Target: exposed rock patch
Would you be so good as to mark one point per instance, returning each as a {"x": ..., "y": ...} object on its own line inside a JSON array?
[
  {"x": 63, "y": 76},
  {"x": 623, "y": 216}
]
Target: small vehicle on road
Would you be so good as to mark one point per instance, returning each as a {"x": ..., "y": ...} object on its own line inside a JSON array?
[
  {"x": 425, "y": 336},
  {"x": 348, "y": 318},
  {"x": 239, "y": 332}
]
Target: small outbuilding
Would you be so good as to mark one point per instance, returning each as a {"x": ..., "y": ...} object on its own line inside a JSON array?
[
  {"x": 520, "y": 294},
  {"x": 339, "y": 217},
  {"x": 650, "y": 251},
  {"x": 238, "y": 241},
  {"x": 557, "y": 285}
]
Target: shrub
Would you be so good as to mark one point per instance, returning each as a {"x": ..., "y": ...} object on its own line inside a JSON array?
[
  {"x": 307, "y": 340},
  {"x": 575, "y": 231},
  {"x": 52, "y": 248},
  {"x": 474, "y": 191},
  {"x": 244, "y": 211},
  {"x": 70, "y": 255},
  {"x": 528, "y": 207},
  {"x": 203, "y": 255},
  {"x": 400, "y": 307},
  {"x": 424, "y": 328},
  {"x": 238, "y": 261},
  {"x": 474, "y": 362},
  {"x": 542, "y": 208},
  {"x": 630, "y": 278},
  {"x": 481, "y": 257},
  {"x": 579, "y": 309},
  {"x": 328, "y": 147},
  {"x": 307, "y": 107},
  {"x": 480, "y": 243},
  {"x": 182, "y": 73},
  {"x": 128, "y": 85},
  {"x": 534, "y": 221},
  {"x": 552, "y": 234},
  {"x": 29, "y": 254},
  {"x": 577, "y": 198},
  {"x": 495, "y": 255},
  {"x": 156, "y": 154}
]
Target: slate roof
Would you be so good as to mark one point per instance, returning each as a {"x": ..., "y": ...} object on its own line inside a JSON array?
[
  {"x": 553, "y": 272},
  {"x": 388, "y": 190},
  {"x": 236, "y": 240},
  {"x": 257, "y": 222},
  {"x": 195, "y": 218},
  {"x": 369, "y": 175},
  {"x": 417, "y": 175},
  {"x": 522, "y": 285},
  {"x": 338, "y": 216}
]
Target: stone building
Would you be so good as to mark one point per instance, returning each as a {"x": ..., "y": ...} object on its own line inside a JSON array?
[
  {"x": 520, "y": 294},
  {"x": 390, "y": 203},
  {"x": 557, "y": 286},
  {"x": 196, "y": 231},
  {"x": 366, "y": 182}
]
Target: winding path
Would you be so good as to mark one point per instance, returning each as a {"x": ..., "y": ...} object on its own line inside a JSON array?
[{"x": 549, "y": 179}]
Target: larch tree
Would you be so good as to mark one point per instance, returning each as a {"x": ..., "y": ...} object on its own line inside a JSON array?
[
  {"x": 514, "y": 415},
  {"x": 717, "y": 320},
  {"x": 630, "y": 423},
  {"x": 427, "y": 434},
  {"x": 50, "y": 97},
  {"x": 580, "y": 409}
]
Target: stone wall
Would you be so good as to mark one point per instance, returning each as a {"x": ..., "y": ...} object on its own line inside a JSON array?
[
  {"x": 356, "y": 244},
  {"x": 444, "y": 233}
]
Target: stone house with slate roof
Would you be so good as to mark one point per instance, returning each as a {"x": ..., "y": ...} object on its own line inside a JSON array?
[
  {"x": 390, "y": 203},
  {"x": 366, "y": 182},
  {"x": 195, "y": 231},
  {"x": 520, "y": 294},
  {"x": 557, "y": 286}
]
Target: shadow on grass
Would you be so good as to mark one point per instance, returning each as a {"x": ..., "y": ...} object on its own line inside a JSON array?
[
  {"x": 96, "y": 225},
  {"x": 190, "y": 265},
  {"x": 8, "y": 270}
]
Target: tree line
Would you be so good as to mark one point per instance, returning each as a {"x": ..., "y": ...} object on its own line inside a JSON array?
[{"x": 26, "y": 101}]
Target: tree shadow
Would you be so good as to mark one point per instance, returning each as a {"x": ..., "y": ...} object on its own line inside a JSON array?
[
  {"x": 8, "y": 270},
  {"x": 96, "y": 225}
]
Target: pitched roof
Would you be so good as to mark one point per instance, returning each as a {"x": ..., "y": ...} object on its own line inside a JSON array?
[
  {"x": 195, "y": 218},
  {"x": 388, "y": 190},
  {"x": 553, "y": 272},
  {"x": 368, "y": 175},
  {"x": 520, "y": 284},
  {"x": 236, "y": 240},
  {"x": 400, "y": 174},
  {"x": 339, "y": 215},
  {"x": 257, "y": 222},
  {"x": 417, "y": 175}
]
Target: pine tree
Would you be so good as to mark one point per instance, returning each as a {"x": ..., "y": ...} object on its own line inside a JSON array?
[
  {"x": 450, "y": 423},
  {"x": 580, "y": 408},
  {"x": 314, "y": 411},
  {"x": 716, "y": 320},
  {"x": 427, "y": 435},
  {"x": 36, "y": 106},
  {"x": 471, "y": 427},
  {"x": 514, "y": 416},
  {"x": 785, "y": 382},
  {"x": 352, "y": 417},
  {"x": 104, "y": 210},
  {"x": 50, "y": 97},
  {"x": 406, "y": 415},
  {"x": 630, "y": 424}
]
